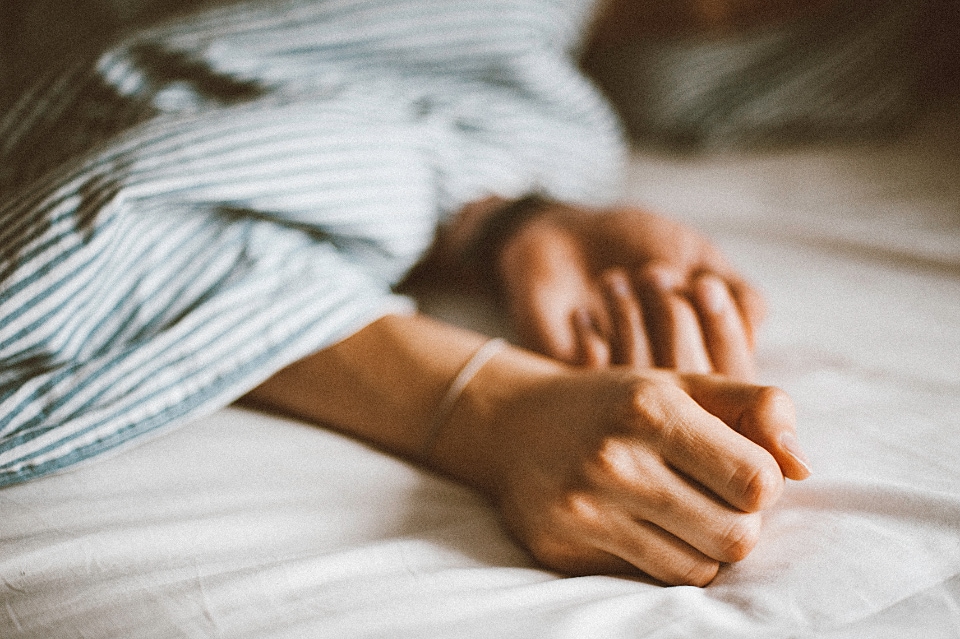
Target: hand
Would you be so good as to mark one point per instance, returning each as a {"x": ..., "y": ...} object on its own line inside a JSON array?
[
  {"x": 624, "y": 286},
  {"x": 595, "y": 471},
  {"x": 623, "y": 472}
]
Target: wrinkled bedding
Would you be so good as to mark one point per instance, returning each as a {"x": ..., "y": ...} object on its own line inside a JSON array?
[
  {"x": 215, "y": 197},
  {"x": 243, "y": 524}
]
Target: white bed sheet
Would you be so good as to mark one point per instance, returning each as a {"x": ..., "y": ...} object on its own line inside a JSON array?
[{"x": 246, "y": 525}]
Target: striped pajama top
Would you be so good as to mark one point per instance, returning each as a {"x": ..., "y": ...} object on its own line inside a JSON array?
[{"x": 215, "y": 197}]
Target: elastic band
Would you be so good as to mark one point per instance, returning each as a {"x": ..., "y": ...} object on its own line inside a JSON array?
[{"x": 467, "y": 373}]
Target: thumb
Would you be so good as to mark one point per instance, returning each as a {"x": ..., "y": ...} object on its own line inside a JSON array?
[{"x": 763, "y": 414}]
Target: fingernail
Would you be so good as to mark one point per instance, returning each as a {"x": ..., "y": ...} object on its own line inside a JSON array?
[
  {"x": 713, "y": 294},
  {"x": 791, "y": 444}
]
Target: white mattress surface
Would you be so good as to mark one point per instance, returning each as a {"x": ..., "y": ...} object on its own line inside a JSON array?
[{"x": 247, "y": 525}]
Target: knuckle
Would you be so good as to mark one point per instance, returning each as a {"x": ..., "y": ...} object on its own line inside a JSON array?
[
  {"x": 773, "y": 405},
  {"x": 582, "y": 510},
  {"x": 564, "y": 546},
  {"x": 759, "y": 485},
  {"x": 549, "y": 550},
  {"x": 740, "y": 537},
  {"x": 662, "y": 272},
  {"x": 615, "y": 274},
  {"x": 698, "y": 572},
  {"x": 641, "y": 390},
  {"x": 660, "y": 500},
  {"x": 646, "y": 411},
  {"x": 612, "y": 462}
]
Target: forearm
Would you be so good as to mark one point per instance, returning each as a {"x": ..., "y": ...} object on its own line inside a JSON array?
[
  {"x": 593, "y": 471},
  {"x": 385, "y": 383}
]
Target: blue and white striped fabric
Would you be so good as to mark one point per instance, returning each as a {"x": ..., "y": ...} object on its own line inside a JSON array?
[
  {"x": 847, "y": 71},
  {"x": 217, "y": 197}
]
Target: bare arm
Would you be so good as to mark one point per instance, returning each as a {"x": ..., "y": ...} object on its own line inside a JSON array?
[
  {"x": 384, "y": 384},
  {"x": 593, "y": 471}
]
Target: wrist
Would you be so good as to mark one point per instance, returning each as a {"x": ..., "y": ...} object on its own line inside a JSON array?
[
  {"x": 477, "y": 442},
  {"x": 483, "y": 253}
]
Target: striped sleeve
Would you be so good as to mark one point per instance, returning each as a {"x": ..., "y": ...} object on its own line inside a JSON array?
[{"x": 215, "y": 198}]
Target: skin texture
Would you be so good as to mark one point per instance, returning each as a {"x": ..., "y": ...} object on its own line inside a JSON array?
[
  {"x": 644, "y": 480},
  {"x": 635, "y": 442},
  {"x": 623, "y": 286},
  {"x": 597, "y": 462},
  {"x": 612, "y": 470}
]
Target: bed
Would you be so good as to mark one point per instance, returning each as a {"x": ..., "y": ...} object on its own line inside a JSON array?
[{"x": 244, "y": 524}]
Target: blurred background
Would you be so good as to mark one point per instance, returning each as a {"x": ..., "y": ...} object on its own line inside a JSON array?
[
  {"x": 693, "y": 74},
  {"x": 684, "y": 74}
]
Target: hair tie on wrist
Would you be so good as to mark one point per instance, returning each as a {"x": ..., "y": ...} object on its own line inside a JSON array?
[{"x": 467, "y": 373}]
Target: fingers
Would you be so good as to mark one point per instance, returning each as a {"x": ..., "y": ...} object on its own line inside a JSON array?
[
  {"x": 697, "y": 333},
  {"x": 653, "y": 492},
  {"x": 586, "y": 539},
  {"x": 715, "y": 529},
  {"x": 753, "y": 308},
  {"x": 590, "y": 531},
  {"x": 593, "y": 349},
  {"x": 651, "y": 471},
  {"x": 668, "y": 558},
  {"x": 562, "y": 261},
  {"x": 671, "y": 321},
  {"x": 763, "y": 414},
  {"x": 691, "y": 326},
  {"x": 724, "y": 331},
  {"x": 629, "y": 336},
  {"x": 631, "y": 509},
  {"x": 655, "y": 316},
  {"x": 663, "y": 331},
  {"x": 661, "y": 554},
  {"x": 702, "y": 447},
  {"x": 674, "y": 326}
]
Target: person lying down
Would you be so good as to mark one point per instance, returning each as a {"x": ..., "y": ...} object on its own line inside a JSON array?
[{"x": 221, "y": 207}]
